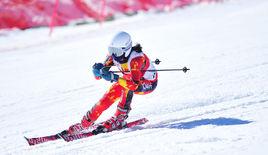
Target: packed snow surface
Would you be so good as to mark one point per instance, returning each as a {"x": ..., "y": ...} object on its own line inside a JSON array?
[{"x": 219, "y": 107}]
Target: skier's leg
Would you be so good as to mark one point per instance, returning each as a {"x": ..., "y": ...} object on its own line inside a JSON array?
[
  {"x": 113, "y": 94},
  {"x": 121, "y": 114},
  {"x": 123, "y": 107}
]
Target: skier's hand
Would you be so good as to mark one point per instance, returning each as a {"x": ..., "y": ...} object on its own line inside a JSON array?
[
  {"x": 108, "y": 75},
  {"x": 96, "y": 70}
]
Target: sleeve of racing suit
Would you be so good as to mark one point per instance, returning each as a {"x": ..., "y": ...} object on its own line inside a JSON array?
[{"x": 108, "y": 61}]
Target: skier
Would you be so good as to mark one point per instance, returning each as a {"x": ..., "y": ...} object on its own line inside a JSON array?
[{"x": 133, "y": 64}]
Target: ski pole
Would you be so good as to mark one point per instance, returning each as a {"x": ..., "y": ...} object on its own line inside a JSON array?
[
  {"x": 157, "y": 62},
  {"x": 184, "y": 69}
]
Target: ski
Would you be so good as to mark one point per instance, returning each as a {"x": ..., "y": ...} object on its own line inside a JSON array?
[
  {"x": 39, "y": 140},
  {"x": 99, "y": 130},
  {"x": 67, "y": 137}
]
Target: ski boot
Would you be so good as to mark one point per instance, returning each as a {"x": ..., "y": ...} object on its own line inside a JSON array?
[
  {"x": 80, "y": 127},
  {"x": 114, "y": 123}
]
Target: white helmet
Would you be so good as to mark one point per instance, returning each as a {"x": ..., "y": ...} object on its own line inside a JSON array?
[{"x": 121, "y": 45}]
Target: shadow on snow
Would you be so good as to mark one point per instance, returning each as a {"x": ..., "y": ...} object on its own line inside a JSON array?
[{"x": 192, "y": 124}]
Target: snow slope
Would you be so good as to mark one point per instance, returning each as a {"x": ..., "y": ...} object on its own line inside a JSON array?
[{"x": 220, "y": 107}]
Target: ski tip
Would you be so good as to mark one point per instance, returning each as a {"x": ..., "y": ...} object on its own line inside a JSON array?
[
  {"x": 28, "y": 141},
  {"x": 26, "y": 138},
  {"x": 137, "y": 122},
  {"x": 145, "y": 120}
]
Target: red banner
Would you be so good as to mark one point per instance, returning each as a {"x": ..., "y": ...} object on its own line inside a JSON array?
[{"x": 25, "y": 14}]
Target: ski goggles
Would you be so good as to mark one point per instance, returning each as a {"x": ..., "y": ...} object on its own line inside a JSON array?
[{"x": 118, "y": 51}]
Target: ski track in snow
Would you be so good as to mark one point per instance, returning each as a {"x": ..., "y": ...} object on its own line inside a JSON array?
[{"x": 219, "y": 107}]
